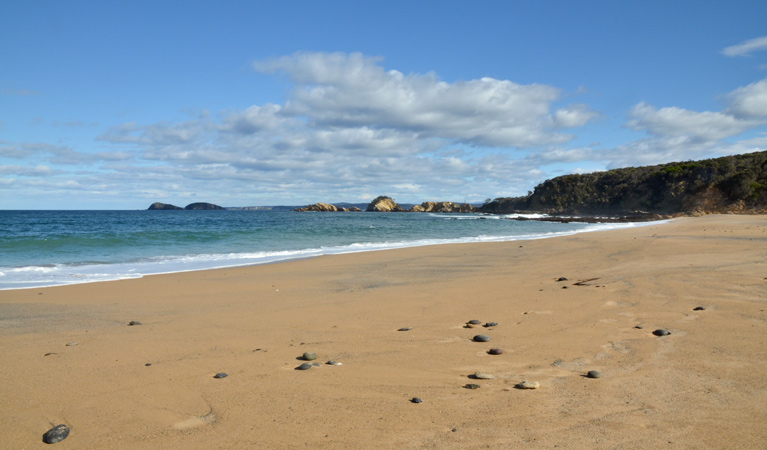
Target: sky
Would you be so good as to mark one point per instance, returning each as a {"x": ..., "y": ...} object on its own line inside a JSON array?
[{"x": 116, "y": 105}]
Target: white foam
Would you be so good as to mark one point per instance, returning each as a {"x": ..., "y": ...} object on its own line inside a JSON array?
[{"x": 63, "y": 274}]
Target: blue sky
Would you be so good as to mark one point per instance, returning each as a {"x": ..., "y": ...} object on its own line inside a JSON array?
[{"x": 115, "y": 105}]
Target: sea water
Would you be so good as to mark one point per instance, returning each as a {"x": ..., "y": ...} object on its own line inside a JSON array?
[{"x": 49, "y": 248}]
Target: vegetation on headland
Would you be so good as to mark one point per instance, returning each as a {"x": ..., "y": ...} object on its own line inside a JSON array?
[{"x": 729, "y": 184}]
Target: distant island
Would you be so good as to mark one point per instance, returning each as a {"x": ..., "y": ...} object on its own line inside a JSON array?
[
  {"x": 190, "y": 207},
  {"x": 730, "y": 184}
]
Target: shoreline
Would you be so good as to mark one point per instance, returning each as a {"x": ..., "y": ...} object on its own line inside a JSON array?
[
  {"x": 137, "y": 270},
  {"x": 152, "y": 385}
]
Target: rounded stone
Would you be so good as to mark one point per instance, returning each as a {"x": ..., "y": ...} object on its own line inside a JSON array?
[
  {"x": 220, "y": 375},
  {"x": 661, "y": 332},
  {"x": 309, "y": 356},
  {"x": 561, "y": 279},
  {"x": 304, "y": 366},
  {"x": 472, "y": 386},
  {"x": 405, "y": 329},
  {"x": 490, "y": 324},
  {"x": 148, "y": 364},
  {"x": 495, "y": 351},
  {"x": 483, "y": 376},
  {"x": 593, "y": 374},
  {"x": 481, "y": 338},
  {"x": 699, "y": 308},
  {"x": 331, "y": 363},
  {"x": 415, "y": 400},
  {"x": 133, "y": 322},
  {"x": 56, "y": 434},
  {"x": 474, "y": 322},
  {"x": 528, "y": 385}
]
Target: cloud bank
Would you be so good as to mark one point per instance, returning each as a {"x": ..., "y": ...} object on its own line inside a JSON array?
[{"x": 350, "y": 129}]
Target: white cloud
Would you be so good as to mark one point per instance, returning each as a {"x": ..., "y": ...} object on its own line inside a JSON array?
[
  {"x": 749, "y": 101},
  {"x": 673, "y": 121},
  {"x": 351, "y": 90},
  {"x": 747, "y": 47}
]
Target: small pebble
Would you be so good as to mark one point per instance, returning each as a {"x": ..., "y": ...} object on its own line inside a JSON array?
[
  {"x": 481, "y": 338},
  {"x": 528, "y": 385},
  {"x": 220, "y": 375},
  {"x": 133, "y": 322},
  {"x": 638, "y": 327},
  {"x": 661, "y": 332},
  {"x": 415, "y": 400},
  {"x": 495, "y": 351},
  {"x": 472, "y": 386},
  {"x": 148, "y": 364},
  {"x": 483, "y": 376},
  {"x": 561, "y": 279},
  {"x": 309, "y": 356},
  {"x": 593, "y": 374},
  {"x": 56, "y": 434},
  {"x": 304, "y": 366},
  {"x": 699, "y": 308},
  {"x": 474, "y": 322},
  {"x": 490, "y": 324},
  {"x": 564, "y": 287},
  {"x": 331, "y": 363},
  {"x": 71, "y": 344},
  {"x": 405, "y": 329}
]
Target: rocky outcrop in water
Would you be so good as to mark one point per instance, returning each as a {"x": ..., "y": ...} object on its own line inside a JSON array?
[
  {"x": 443, "y": 207},
  {"x": 384, "y": 204},
  {"x": 319, "y": 207}
]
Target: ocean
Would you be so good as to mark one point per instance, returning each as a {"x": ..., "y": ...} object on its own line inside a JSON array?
[{"x": 51, "y": 248}]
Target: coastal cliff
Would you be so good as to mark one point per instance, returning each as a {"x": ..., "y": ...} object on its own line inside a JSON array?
[{"x": 736, "y": 184}]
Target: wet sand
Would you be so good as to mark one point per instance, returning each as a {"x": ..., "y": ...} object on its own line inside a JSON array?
[{"x": 152, "y": 385}]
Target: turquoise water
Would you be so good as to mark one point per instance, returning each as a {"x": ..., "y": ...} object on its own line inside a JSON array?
[{"x": 48, "y": 248}]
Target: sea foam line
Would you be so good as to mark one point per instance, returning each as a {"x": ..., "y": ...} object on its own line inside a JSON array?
[{"x": 29, "y": 277}]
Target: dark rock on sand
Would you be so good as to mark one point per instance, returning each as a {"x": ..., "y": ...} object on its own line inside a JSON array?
[
  {"x": 331, "y": 363},
  {"x": 474, "y": 322},
  {"x": 133, "y": 322},
  {"x": 472, "y": 386},
  {"x": 304, "y": 366},
  {"x": 220, "y": 375},
  {"x": 309, "y": 356},
  {"x": 147, "y": 364},
  {"x": 638, "y": 327},
  {"x": 405, "y": 329},
  {"x": 699, "y": 308},
  {"x": 415, "y": 400},
  {"x": 490, "y": 324},
  {"x": 561, "y": 279},
  {"x": 481, "y": 338},
  {"x": 593, "y": 374},
  {"x": 495, "y": 351},
  {"x": 661, "y": 332},
  {"x": 56, "y": 434}
]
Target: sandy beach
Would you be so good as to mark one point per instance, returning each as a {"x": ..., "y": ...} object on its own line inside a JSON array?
[{"x": 68, "y": 356}]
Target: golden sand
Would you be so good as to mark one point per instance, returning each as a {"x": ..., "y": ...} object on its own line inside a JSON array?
[{"x": 151, "y": 386}]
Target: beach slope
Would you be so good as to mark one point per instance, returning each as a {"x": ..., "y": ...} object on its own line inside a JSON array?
[{"x": 69, "y": 356}]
